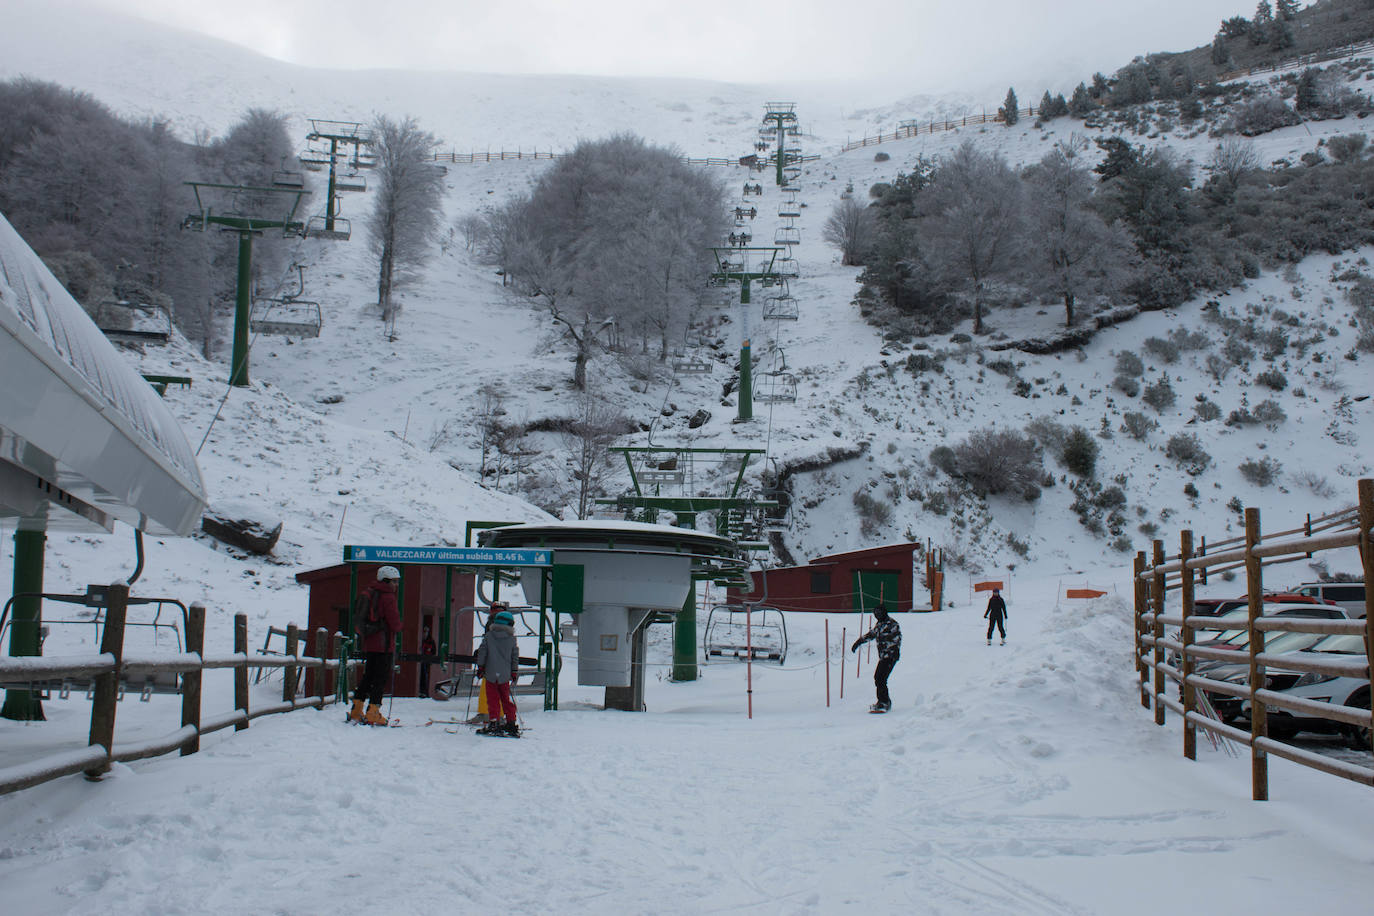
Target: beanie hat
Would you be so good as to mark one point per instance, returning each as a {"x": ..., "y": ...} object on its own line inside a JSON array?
[{"x": 504, "y": 617}]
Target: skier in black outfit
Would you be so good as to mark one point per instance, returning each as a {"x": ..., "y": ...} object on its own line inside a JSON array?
[
  {"x": 996, "y": 613},
  {"x": 889, "y": 637}
]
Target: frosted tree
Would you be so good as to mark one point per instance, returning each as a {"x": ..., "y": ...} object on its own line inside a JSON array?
[
  {"x": 1073, "y": 252},
  {"x": 406, "y": 207},
  {"x": 615, "y": 235},
  {"x": 1286, "y": 9},
  {"x": 973, "y": 225},
  {"x": 851, "y": 227}
]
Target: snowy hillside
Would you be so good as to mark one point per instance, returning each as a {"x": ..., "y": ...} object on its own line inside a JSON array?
[{"x": 1025, "y": 781}]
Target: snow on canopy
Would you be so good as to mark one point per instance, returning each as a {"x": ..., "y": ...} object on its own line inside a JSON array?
[{"x": 86, "y": 421}]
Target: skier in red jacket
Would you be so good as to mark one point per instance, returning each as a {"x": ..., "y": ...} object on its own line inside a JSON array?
[{"x": 378, "y": 629}]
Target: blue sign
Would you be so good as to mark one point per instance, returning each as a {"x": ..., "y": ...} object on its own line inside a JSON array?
[{"x": 450, "y": 556}]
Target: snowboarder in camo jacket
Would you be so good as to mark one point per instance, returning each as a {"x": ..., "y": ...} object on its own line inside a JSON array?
[{"x": 889, "y": 638}]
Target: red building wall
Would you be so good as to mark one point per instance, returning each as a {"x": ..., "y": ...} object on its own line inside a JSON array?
[
  {"x": 422, "y": 601},
  {"x": 826, "y": 584}
]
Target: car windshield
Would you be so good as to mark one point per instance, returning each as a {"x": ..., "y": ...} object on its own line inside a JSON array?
[{"x": 1349, "y": 643}]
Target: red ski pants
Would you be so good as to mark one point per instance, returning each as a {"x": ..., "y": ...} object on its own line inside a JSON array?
[{"x": 499, "y": 702}]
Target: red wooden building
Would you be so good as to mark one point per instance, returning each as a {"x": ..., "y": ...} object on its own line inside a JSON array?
[
  {"x": 421, "y": 594},
  {"x": 853, "y": 581}
]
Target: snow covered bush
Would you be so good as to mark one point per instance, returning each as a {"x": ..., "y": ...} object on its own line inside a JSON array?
[
  {"x": 1128, "y": 363},
  {"x": 1137, "y": 425},
  {"x": 1273, "y": 379},
  {"x": 1206, "y": 409},
  {"x": 1187, "y": 452},
  {"x": 994, "y": 461},
  {"x": 1127, "y": 385},
  {"x": 1262, "y": 473},
  {"x": 1165, "y": 350},
  {"x": 1263, "y": 114},
  {"x": 1160, "y": 395}
]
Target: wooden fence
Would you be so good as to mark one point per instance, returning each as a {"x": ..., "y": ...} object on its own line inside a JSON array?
[
  {"x": 515, "y": 155},
  {"x": 1293, "y": 62},
  {"x": 915, "y": 128},
  {"x": 111, "y": 665},
  {"x": 1252, "y": 551}
]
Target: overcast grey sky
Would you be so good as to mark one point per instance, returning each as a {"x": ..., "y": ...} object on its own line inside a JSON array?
[{"x": 915, "y": 41}]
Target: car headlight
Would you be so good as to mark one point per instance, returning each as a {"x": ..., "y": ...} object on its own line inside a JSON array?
[{"x": 1307, "y": 680}]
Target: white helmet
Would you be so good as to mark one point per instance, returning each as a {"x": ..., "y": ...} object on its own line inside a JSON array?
[{"x": 388, "y": 572}]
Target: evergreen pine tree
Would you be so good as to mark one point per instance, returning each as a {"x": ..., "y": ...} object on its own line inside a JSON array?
[
  {"x": 1100, "y": 86},
  {"x": 1308, "y": 97},
  {"x": 1219, "y": 53},
  {"x": 1081, "y": 103},
  {"x": 1009, "y": 113},
  {"x": 1286, "y": 9},
  {"x": 1260, "y": 25},
  {"x": 1046, "y": 109}
]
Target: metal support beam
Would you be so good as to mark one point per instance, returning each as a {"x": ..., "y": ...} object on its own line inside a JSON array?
[
  {"x": 685, "y": 626},
  {"x": 243, "y": 303},
  {"x": 25, "y": 638},
  {"x": 746, "y": 380}
]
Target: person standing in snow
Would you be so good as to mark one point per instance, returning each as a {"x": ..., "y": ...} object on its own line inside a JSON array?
[
  {"x": 498, "y": 661},
  {"x": 379, "y": 628},
  {"x": 428, "y": 649},
  {"x": 889, "y": 639},
  {"x": 995, "y": 614}
]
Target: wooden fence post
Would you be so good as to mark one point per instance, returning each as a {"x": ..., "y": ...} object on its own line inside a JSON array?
[
  {"x": 1139, "y": 627},
  {"x": 288, "y": 681},
  {"x": 107, "y": 685},
  {"x": 321, "y": 673},
  {"x": 1259, "y": 719},
  {"x": 1366, "y": 491},
  {"x": 1157, "y": 582},
  {"x": 191, "y": 680},
  {"x": 241, "y": 669},
  {"x": 1185, "y": 553}
]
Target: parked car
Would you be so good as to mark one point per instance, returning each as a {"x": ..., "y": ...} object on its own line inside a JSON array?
[
  {"x": 1215, "y": 607},
  {"x": 1349, "y": 595},
  {"x": 1325, "y": 688}
]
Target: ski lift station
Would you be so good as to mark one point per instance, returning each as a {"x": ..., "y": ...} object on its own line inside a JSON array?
[{"x": 84, "y": 441}]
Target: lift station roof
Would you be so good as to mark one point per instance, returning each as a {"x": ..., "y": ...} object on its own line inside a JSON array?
[{"x": 80, "y": 429}]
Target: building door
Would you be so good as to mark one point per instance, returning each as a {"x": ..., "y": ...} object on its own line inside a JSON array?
[{"x": 872, "y": 586}]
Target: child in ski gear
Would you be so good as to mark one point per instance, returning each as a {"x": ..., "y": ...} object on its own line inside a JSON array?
[
  {"x": 995, "y": 614},
  {"x": 498, "y": 662},
  {"x": 376, "y": 647},
  {"x": 428, "y": 649},
  {"x": 889, "y": 638}
]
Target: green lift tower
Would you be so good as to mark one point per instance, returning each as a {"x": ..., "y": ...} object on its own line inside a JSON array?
[
  {"x": 744, "y": 266},
  {"x": 248, "y": 211},
  {"x": 781, "y": 116}
]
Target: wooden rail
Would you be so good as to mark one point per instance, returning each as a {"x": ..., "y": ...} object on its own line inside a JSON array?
[
  {"x": 1293, "y": 62},
  {"x": 111, "y": 665},
  {"x": 915, "y": 128},
  {"x": 1153, "y": 578},
  {"x": 537, "y": 155}
]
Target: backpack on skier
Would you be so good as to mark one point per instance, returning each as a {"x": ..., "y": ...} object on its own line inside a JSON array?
[{"x": 365, "y": 614}]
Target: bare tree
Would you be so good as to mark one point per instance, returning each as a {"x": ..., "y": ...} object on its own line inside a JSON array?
[
  {"x": 585, "y": 442},
  {"x": 405, "y": 213},
  {"x": 1073, "y": 250},
  {"x": 1232, "y": 159},
  {"x": 974, "y": 221},
  {"x": 852, "y": 228}
]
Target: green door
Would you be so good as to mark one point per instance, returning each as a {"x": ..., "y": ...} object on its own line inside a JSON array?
[{"x": 872, "y": 586}]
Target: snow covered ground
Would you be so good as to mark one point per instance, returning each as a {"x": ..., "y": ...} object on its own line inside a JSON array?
[{"x": 1007, "y": 779}]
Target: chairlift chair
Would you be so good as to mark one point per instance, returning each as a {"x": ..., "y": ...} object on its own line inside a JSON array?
[
  {"x": 781, "y": 308},
  {"x": 285, "y": 317},
  {"x": 350, "y": 181},
  {"x": 734, "y": 632},
  {"x": 788, "y": 268},
  {"x": 787, "y": 235},
  {"x": 687, "y": 364},
  {"x": 314, "y": 160},
  {"x": 363, "y": 160},
  {"x": 776, "y": 388},
  {"x": 318, "y": 228},
  {"x": 125, "y": 321},
  {"x": 789, "y": 209},
  {"x": 287, "y": 178}
]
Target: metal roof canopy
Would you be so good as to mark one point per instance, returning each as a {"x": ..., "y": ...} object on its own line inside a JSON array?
[{"x": 88, "y": 435}]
